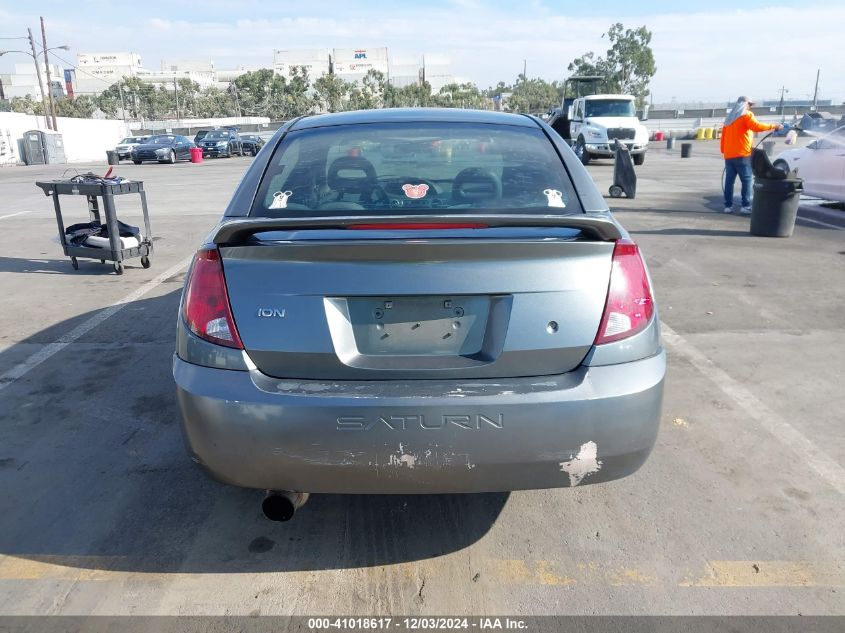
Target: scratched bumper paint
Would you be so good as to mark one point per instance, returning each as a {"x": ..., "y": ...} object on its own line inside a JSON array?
[{"x": 590, "y": 425}]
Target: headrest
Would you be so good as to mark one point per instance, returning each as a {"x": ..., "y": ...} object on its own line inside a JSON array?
[{"x": 351, "y": 174}]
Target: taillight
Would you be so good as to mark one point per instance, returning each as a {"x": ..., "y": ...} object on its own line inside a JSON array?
[
  {"x": 206, "y": 308},
  {"x": 629, "y": 304}
]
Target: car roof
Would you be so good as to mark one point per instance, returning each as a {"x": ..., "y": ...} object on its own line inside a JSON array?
[{"x": 407, "y": 115}]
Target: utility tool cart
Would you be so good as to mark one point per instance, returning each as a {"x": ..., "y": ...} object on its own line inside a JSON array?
[{"x": 94, "y": 189}]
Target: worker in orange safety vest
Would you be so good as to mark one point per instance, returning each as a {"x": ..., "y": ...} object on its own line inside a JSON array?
[{"x": 736, "y": 145}]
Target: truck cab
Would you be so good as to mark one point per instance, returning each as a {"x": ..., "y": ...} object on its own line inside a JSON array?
[{"x": 597, "y": 121}]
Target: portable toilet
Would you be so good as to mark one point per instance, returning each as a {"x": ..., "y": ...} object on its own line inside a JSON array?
[
  {"x": 54, "y": 148},
  {"x": 33, "y": 148}
]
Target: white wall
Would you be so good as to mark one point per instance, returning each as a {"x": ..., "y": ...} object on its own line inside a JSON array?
[{"x": 84, "y": 139}]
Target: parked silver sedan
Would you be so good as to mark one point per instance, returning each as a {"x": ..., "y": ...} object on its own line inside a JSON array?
[
  {"x": 125, "y": 147},
  {"x": 417, "y": 301}
]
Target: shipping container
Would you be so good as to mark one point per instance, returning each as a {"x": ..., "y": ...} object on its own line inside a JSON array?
[
  {"x": 108, "y": 59},
  {"x": 315, "y": 61},
  {"x": 351, "y": 64}
]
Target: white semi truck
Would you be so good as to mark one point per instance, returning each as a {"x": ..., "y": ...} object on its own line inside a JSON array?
[{"x": 592, "y": 123}]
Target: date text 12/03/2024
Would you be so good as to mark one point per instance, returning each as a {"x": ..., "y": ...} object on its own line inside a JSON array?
[{"x": 417, "y": 623}]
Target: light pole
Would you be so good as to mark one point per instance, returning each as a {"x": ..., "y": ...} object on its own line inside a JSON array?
[
  {"x": 34, "y": 55},
  {"x": 782, "y": 91}
]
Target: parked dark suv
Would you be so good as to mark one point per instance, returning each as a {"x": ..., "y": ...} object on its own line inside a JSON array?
[
  {"x": 252, "y": 144},
  {"x": 221, "y": 143}
]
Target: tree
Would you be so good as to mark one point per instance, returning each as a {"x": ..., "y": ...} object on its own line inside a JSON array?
[
  {"x": 629, "y": 63},
  {"x": 466, "y": 95},
  {"x": 214, "y": 103},
  {"x": 371, "y": 93},
  {"x": 258, "y": 92},
  {"x": 139, "y": 98},
  {"x": 264, "y": 93},
  {"x": 331, "y": 92},
  {"x": 416, "y": 95},
  {"x": 296, "y": 99},
  {"x": 189, "y": 93},
  {"x": 631, "y": 60},
  {"x": 81, "y": 107},
  {"x": 533, "y": 95},
  {"x": 26, "y": 105}
]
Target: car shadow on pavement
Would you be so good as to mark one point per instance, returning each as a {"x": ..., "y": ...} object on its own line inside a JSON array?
[
  {"x": 60, "y": 266},
  {"x": 95, "y": 475}
]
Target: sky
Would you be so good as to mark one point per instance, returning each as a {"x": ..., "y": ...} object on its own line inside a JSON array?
[{"x": 704, "y": 51}]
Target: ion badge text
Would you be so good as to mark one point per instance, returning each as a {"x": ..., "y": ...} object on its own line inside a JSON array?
[{"x": 278, "y": 313}]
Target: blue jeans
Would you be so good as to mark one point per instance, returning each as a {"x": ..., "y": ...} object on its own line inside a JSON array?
[{"x": 738, "y": 167}]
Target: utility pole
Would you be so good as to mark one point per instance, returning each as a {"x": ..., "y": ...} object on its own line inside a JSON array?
[
  {"x": 782, "y": 91},
  {"x": 40, "y": 83},
  {"x": 524, "y": 69},
  {"x": 49, "y": 82},
  {"x": 816, "y": 91},
  {"x": 176, "y": 92},
  {"x": 237, "y": 101},
  {"x": 122, "y": 104}
]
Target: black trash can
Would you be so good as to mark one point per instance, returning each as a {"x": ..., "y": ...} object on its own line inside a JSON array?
[
  {"x": 686, "y": 150},
  {"x": 775, "y": 206},
  {"x": 776, "y": 198},
  {"x": 113, "y": 157}
]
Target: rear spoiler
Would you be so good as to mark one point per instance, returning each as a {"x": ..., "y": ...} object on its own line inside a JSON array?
[{"x": 235, "y": 232}]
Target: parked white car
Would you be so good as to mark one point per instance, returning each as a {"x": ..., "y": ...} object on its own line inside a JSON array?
[
  {"x": 124, "y": 148},
  {"x": 821, "y": 164}
]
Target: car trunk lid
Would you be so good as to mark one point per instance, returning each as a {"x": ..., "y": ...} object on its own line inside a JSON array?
[{"x": 314, "y": 300}]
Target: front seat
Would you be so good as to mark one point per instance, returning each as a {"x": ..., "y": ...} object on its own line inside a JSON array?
[
  {"x": 475, "y": 185},
  {"x": 353, "y": 178}
]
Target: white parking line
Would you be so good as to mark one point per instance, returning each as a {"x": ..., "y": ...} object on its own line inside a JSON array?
[
  {"x": 809, "y": 453},
  {"x": 33, "y": 361},
  {"x": 11, "y": 215},
  {"x": 830, "y": 226}
]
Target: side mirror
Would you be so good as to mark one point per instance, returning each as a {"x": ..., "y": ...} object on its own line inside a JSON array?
[{"x": 570, "y": 112}]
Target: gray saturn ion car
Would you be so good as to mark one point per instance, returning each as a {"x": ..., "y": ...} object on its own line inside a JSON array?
[{"x": 417, "y": 301}]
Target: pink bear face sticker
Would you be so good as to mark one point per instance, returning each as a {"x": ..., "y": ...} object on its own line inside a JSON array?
[{"x": 415, "y": 192}]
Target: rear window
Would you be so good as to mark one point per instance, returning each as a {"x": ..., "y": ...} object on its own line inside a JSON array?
[{"x": 401, "y": 168}]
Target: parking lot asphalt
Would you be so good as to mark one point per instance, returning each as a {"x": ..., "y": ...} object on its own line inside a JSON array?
[{"x": 739, "y": 510}]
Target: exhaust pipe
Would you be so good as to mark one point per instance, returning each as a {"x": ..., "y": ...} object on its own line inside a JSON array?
[{"x": 281, "y": 505}]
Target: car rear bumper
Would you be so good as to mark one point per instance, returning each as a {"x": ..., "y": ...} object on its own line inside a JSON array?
[{"x": 591, "y": 425}]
